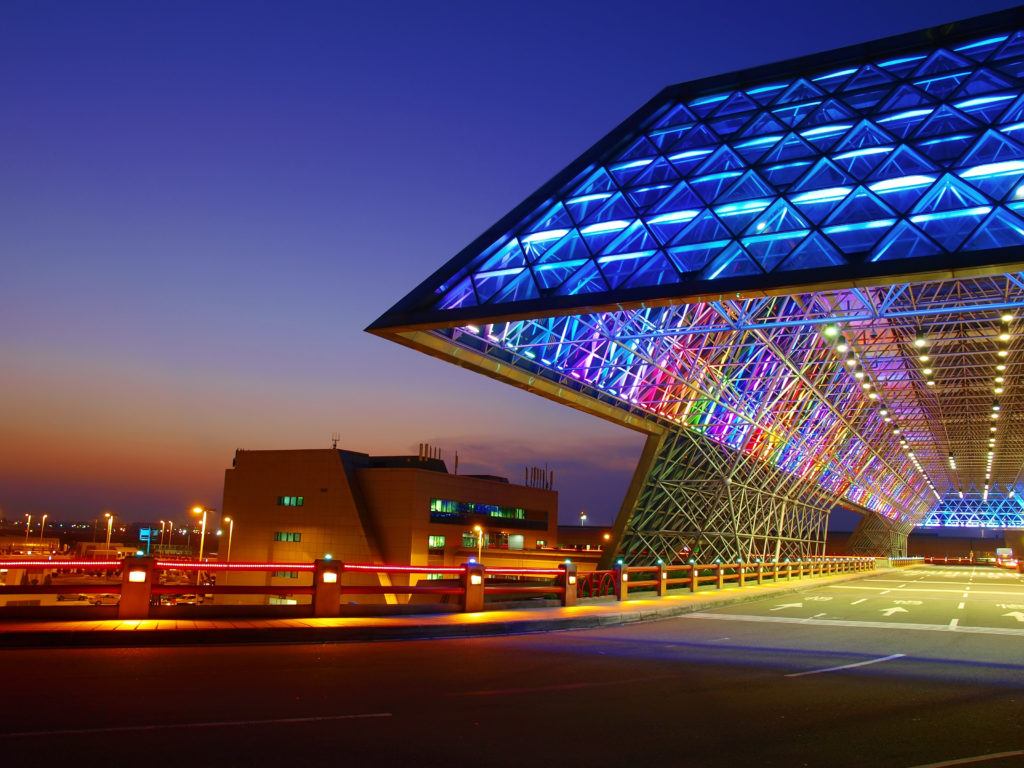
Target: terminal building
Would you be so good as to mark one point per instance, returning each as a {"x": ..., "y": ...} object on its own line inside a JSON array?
[{"x": 294, "y": 506}]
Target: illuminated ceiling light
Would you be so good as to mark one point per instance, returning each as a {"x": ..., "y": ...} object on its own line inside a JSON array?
[
  {"x": 960, "y": 494},
  {"x": 865, "y": 385},
  {"x": 920, "y": 339},
  {"x": 923, "y": 357},
  {"x": 858, "y": 373},
  {"x": 995, "y": 415},
  {"x": 1006, "y": 317},
  {"x": 895, "y": 430},
  {"x": 851, "y": 359},
  {"x": 992, "y": 429},
  {"x": 883, "y": 411},
  {"x": 927, "y": 371},
  {"x": 1012, "y": 493},
  {"x": 830, "y": 331},
  {"x": 1003, "y": 353},
  {"x": 1000, "y": 379},
  {"x": 1001, "y": 367},
  {"x": 873, "y": 395},
  {"x": 930, "y": 383},
  {"x": 888, "y": 419},
  {"x": 995, "y": 405},
  {"x": 842, "y": 347},
  {"x": 1004, "y": 336},
  {"x": 998, "y": 390}
]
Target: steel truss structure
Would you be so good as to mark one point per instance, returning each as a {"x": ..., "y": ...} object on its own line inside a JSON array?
[
  {"x": 804, "y": 280},
  {"x": 974, "y": 509}
]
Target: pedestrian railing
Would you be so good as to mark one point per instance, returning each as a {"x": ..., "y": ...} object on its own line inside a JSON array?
[
  {"x": 903, "y": 562},
  {"x": 948, "y": 560},
  {"x": 144, "y": 583}
]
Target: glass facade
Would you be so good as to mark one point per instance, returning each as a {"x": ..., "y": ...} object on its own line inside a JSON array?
[
  {"x": 288, "y": 536},
  {"x": 906, "y": 156},
  {"x": 290, "y": 501}
]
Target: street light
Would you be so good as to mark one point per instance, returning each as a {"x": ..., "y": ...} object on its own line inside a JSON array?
[
  {"x": 110, "y": 526},
  {"x": 479, "y": 542},
  {"x": 162, "y": 526},
  {"x": 231, "y": 532},
  {"x": 583, "y": 517},
  {"x": 28, "y": 525},
  {"x": 42, "y": 527},
  {"x": 197, "y": 510}
]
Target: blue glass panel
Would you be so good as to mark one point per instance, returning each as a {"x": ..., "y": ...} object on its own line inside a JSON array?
[
  {"x": 732, "y": 262},
  {"x": 941, "y": 61},
  {"x": 770, "y": 250},
  {"x": 567, "y": 248},
  {"x": 950, "y": 194},
  {"x": 983, "y": 81},
  {"x": 950, "y": 228},
  {"x": 706, "y": 227},
  {"x": 694, "y": 257},
  {"x": 781, "y": 217},
  {"x": 461, "y": 295},
  {"x": 791, "y": 147},
  {"x": 906, "y": 97},
  {"x": 1000, "y": 230},
  {"x": 905, "y": 241},
  {"x": 764, "y": 123},
  {"x": 824, "y": 174},
  {"x": 634, "y": 238},
  {"x": 587, "y": 279},
  {"x": 860, "y": 206},
  {"x": 657, "y": 270},
  {"x": 510, "y": 255},
  {"x": 618, "y": 267},
  {"x": 521, "y": 288},
  {"x": 657, "y": 172},
  {"x": 550, "y": 275},
  {"x": 813, "y": 253},
  {"x": 868, "y": 77},
  {"x": 489, "y": 283},
  {"x": 1013, "y": 47},
  {"x": 943, "y": 121},
  {"x": 979, "y": 50}
]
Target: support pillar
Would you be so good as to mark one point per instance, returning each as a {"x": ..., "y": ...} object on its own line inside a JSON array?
[
  {"x": 621, "y": 582},
  {"x": 327, "y": 588},
  {"x": 662, "y": 580},
  {"x": 472, "y": 587},
  {"x": 137, "y": 576},
  {"x": 567, "y": 580}
]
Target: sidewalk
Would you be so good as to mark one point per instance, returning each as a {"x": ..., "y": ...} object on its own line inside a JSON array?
[{"x": 588, "y": 614}]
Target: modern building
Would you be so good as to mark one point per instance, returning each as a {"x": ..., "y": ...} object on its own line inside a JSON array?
[
  {"x": 802, "y": 282},
  {"x": 294, "y": 506}
]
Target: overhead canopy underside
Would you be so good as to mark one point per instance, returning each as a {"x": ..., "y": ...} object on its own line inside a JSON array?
[{"x": 816, "y": 264}]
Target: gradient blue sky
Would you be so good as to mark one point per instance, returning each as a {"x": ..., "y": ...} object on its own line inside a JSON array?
[{"x": 202, "y": 204}]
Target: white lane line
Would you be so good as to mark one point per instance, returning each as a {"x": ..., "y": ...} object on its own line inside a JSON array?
[
  {"x": 960, "y": 607},
  {"x": 953, "y": 623},
  {"x": 1016, "y": 593},
  {"x": 885, "y": 592},
  {"x": 847, "y": 666},
  {"x": 852, "y": 623},
  {"x": 857, "y": 602},
  {"x": 175, "y": 726},
  {"x": 901, "y": 586},
  {"x": 964, "y": 595},
  {"x": 973, "y": 760}
]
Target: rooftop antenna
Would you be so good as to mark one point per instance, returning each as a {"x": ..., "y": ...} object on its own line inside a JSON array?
[{"x": 335, "y": 437}]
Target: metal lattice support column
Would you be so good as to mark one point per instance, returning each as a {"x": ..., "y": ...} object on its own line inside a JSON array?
[
  {"x": 880, "y": 537},
  {"x": 699, "y": 497}
]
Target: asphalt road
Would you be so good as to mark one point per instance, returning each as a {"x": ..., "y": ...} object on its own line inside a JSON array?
[{"x": 839, "y": 680}]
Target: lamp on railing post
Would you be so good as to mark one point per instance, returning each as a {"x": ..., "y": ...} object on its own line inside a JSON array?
[
  {"x": 621, "y": 580},
  {"x": 662, "y": 578},
  {"x": 568, "y": 582},
  {"x": 231, "y": 532}
]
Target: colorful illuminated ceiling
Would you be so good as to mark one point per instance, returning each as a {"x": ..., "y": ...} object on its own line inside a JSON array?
[{"x": 817, "y": 263}]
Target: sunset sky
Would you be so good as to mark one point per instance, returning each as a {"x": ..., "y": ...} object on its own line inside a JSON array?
[{"x": 202, "y": 204}]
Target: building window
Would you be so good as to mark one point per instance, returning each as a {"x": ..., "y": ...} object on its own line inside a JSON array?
[
  {"x": 468, "y": 540},
  {"x": 286, "y": 574},
  {"x": 515, "y": 541},
  {"x": 434, "y": 576},
  {"x": 435, "y": 545},
  {"x": 289, "y": 501},
  {"x": 278, "y": 600},
  {"x": 541, "y": 543},
  {"x": 290, "y": 536},
  {"x": 450, "y": 511}
]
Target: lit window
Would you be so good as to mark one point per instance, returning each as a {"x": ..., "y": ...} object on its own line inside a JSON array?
[
  {"x": 286, "y": 574},
  {"x": 289, "y": 501},
  {"x": 541, "y": 543},
  {"x": 435, "y": 545},
  {"x": 289, "y": 536}
]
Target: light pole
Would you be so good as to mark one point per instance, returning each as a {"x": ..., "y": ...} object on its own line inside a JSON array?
[
  {"x": 28, "y": 526},
  {"x": 42, "y": 527},
  {"x": 162, "y": 526},
  {"x": 170, "y": 532},
  {"x": 583, "y": 517},
  {"x": 231, "y": 532},
  {"x": 110, "y": 526},
  {"x": 479, "y": 542},
  {"x": 197, "y": 510}
]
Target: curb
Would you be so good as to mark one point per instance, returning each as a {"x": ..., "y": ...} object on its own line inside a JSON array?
[{"x": 116, "y": 638}]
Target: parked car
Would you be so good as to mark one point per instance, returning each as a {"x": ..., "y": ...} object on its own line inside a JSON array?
[
  {"x": 106, "y": 599},
  {"x": 69, "y": 596}
]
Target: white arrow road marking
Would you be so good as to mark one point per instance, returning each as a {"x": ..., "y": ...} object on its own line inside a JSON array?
[
  {"x": 856, "y": 602},
  {"x": 1016, "y": 614},
  {"x": 891, "y": 611},
  {"x": 788, "y": 605},
  {"x": 846, "y": 666}
]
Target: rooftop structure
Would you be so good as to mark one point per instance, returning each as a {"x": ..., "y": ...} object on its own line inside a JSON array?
[{"x": 801, "y": 281}]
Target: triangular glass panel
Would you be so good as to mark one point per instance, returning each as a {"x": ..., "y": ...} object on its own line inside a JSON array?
[
  {"x": 993, "y": 147},
  {"x": 782, "y": 175},
  {"x": 864, "y": 134},
  {"x": 985, "y": 109},
  {"x": 489, "y": 283},
  {"x": 1014, "y": 113},
  {"x": 694, "y": 257},
  {"x": 645, "y": 198},
  {"x": 903, "y": 161},
  {"x": 509, "y": 255},
  {"x": 867, "y": 77},
  {"x": 462, "y": 295},
  {"x": 703, "y": 229},
  {"x": 640, "y": 148},
  {"x": 598, "y": 181},
  {"x": 943, "y": 121},
  {"x": 677, "y": 114},
  {"x": 817, "y": 204},
  {"x": 949, "y": 228},
  {"x": 554, "y": 273},
  {"x": 520, "y": 288},
  {"x": 949, "y": 194},
  {"x": 601, "y": 233},
  {"x": 665, "y": 139},
  {"x": 727, "y": 126},
  {"x": 763, "y": 94},
  {"x": 860, "y": 206},
  {"x": 862, "y": 101},
  {"x": 770, "y": 250},
  {"x": 1013, "y": 47},
  {"x": 945, "y": 150},
  {"x": 723, "y": 159},
  {"x": 1014, "y": 68},
  {"x": 824, "y": 174},
  {"x": 617, "y": 267},
  {"x": 763, "y": 124},
  {"x": 657, "y": 172},
  {"x": 657, "y": 270},
  {"x": 568, "y": 248},
  {"x": 793, "y": 114},
  {"x": 755, "y": 148},
  {"x": 681, "y": 197},
  {"x": 901, "y": 65},
  {"x": 906, "y": 97},
  {"x": 624, "y": 171},
  {"x": 979, "y": 50},
  {"x": 701, "y": 136},
  {"x": 747, "y": 187},
  {"x": 997, "y": 180},
  {"x": 792, "y": 147},
  {"x": 614, "y": 208},
  {"x": 813, "y": 253},
  {"x": 780, "y": 217},
  {"x": 551, "y": 217},
  {"x": 830, "y": 81},
  {"x": 703, "y": 106},
  {"x": 712, "y": 186},
  {"x": 902, "y": 124},
  {"x": 859, "y": 163},
  {"x": 902, "y": 192},
  {"x": 586, "y": 206},
  {"x": 904, "y": 242},
  {"x": 829, "y": 111},
  {"x": 1000, "y": 230},
  {"x": 685, "y": 160},
  {"x": 942, "y": 86},
  {"x": 981, "y": 82},
  {"x": 858, "y": 237},
  {"x": 633, "y": 238},
  {"x": 737, "y": 102},
  {"x": 941, "y": 61},
  {"x": 666, "y": 226},
  {"x": 800, "y": 90},
  {"x": 587, "y": 279},
  {"x": 732, "y": 262}
]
